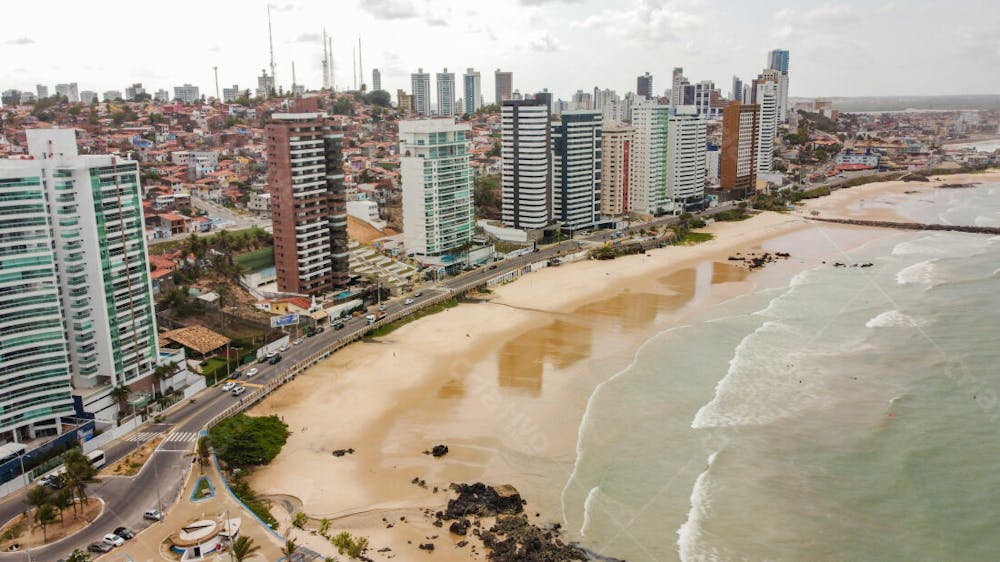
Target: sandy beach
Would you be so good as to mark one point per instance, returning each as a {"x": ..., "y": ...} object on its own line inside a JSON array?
[{"x": 504, "y": 383}]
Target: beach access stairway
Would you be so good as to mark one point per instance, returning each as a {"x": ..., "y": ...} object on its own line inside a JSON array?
[{"x": 913, "y": 225}]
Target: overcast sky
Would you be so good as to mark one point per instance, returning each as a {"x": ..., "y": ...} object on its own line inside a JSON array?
[{"x": 843, "y": 48}]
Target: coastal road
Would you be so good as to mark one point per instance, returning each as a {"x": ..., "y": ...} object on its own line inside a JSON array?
[{"x": 161, "y": 479}]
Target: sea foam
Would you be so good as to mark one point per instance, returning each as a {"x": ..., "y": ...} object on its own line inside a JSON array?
[
  {"x": 690, "y": 532},
  {"x": 923, "y": 272},
  {"x": 895, "y": 319}
]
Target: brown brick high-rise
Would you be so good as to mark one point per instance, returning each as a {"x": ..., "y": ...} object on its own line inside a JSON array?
[
  {"x": 739, "y": 148},
  {"x": 308, "y": 205}
]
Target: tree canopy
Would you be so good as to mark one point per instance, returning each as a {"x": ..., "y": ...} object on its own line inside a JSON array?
[{"x": 244, "y": 440}]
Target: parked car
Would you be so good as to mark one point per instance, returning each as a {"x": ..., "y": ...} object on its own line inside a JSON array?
[
  {"x": 284, "y": 348},
  {"x": 253, "y": 371},
  {"x": 298, "y": 341},
  {"x": 275, "y": 360},
  {"x": 113, "y": 539},
  {"x": 338, "y": 325},
  {"x": 228, "y": 386},
  {"x": 124, "y": 532},
  {"x": 153, "y": 515},
  {"x": 408, "y": 301},
  {"x": 238, "y": 390},
  {"x": 418, "y": 294},
  {"x": 271, "y": 354},
  {"x": 99, "y": 547}
]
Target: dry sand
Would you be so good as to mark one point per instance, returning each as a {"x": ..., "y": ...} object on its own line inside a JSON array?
[{"x": 503, "y": 383}]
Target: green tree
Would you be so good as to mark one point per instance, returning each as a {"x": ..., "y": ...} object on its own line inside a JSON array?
[
  {"x": 300, "y": 520},
  {"x": 204, "y": 452},
  {"x": 37, "y": 496},
  {"x": 78, "y": 556},
  {"x": 120, "y": 396},
  {"x": 342, "y": 106},
  {"x": 380, "y": 98},
  {"x": 242, "y": 440},
  {"x": 324, "y": 527},
  {"x": 79, "y": 473},
  {"x": 243, "y": 547},
  {"x": 487, "y": 196},
  {"x": 45, "y": 515},
  {"x": 290, "y": 548},
  {"x": 62, "y": 500}
]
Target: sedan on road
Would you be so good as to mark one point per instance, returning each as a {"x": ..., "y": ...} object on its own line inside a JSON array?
[
  {"x": 153, "y": 515},
  {"x": 252, "y": 372},
  {"x": 124, "y": 532},
  {"x": 228, "y": 386},
  {"x": 100, "y": 547},
  {"x": 113, "y": 539},
  {"x": 408, "y": 301},
  {"x": 238, "y": 390}
]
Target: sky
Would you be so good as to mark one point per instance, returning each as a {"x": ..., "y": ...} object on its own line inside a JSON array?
[{"x": 844, "y": 48}]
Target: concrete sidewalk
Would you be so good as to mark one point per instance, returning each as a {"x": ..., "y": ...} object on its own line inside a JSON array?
[{"x": 151, "y": 544}]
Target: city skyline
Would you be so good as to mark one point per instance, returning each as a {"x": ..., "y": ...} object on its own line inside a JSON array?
[{"x": 541, "y": 41}]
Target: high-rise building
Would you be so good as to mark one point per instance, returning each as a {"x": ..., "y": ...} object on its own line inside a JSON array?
[
  {"x": 28, "y": 97},
  {"x": 69, "y": 91},
  {"x": 10, "y": 97},
  {"x": 644, "y": 86},
  {"x": 616, "y": 169},
  {"x": 88, "y": 97},
  {"x": 100, "y": 249},
  {"x": 404, "y": 102},
  {"x": 230, "y": 94},
  {"x": 777, "y": 59},
  {"x": 780, "y": 80},
  {"x": 187, "y": 93},
  {"x": 525, "y": 155},
  {"x": 739, "y": 147},
  {"x": 42, "y": 91},
  {"x": 112, "y": 95},
  {"x": 504, "y": 85},
  {"x": 437, "y": 186},
  {"x": 685, "y": 169},
  {"x": 766, "y": 96},
  {"x": 265, "y": 85},
  {"x": 446, "y": 93},
  {"x": 376, "y": 79},
  {"x": 308, "y": 203},
  {"x": 34, "y": 361},
  {"x": 582, "y": 101},
  {"x": 736, "y": 94},
  {"x": 134, "y": 90},
  {"x": 576, "y": 169},
  {"x": 648, "y": 193},
  {"x": 421, "y": 92},
  {"x": 473, "y": 90},
  {"x": 677, "y": 88}
]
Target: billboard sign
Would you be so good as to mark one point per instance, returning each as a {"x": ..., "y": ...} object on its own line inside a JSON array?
[{"x": 286, "y": 320}]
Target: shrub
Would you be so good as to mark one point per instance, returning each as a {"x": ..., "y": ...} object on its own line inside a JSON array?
[
  {"x": 300, "y": 520},
  {"x": 354, "y": 547},
  {"x": 243, "y": 440}
]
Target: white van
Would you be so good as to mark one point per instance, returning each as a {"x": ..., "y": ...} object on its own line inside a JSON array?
[{"x": 370, "y": 318}]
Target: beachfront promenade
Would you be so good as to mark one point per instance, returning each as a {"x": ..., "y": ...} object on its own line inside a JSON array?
[{"x": 161, "y": 480}]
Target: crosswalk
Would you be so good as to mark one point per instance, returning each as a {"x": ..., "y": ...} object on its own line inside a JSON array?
[{"x": 178, "y": 436}]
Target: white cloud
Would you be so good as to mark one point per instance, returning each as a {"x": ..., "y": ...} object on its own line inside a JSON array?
[
  {"x": 309, "y": 38},
  {"x": 649, "y": 22},
  {"x": 21, "y": 41},
  {"x": 545, "y": 43},
  {"x": 389, "y": 9}
]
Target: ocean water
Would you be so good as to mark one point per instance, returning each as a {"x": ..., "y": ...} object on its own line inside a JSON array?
[{"x": 844, "y": 413}]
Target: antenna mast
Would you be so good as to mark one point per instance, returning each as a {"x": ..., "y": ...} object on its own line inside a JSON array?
[
  {"x": 361, "y": 66},
  {"x": 216, "y": 69},
  {"x": 270, "y": 41},
  {"x": 326, "y": 63}
]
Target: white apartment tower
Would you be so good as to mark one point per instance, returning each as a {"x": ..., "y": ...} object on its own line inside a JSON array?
[
  {"x": 472, "y": 91},
  {"x": 685, "y": 168},
  {"x": 103, "y": 264},
  {"x": 526, "y": 164},
  {"x": 34, "y": 364},
  {"x": 648, "y": 194},
  {"x": 420, "y": 83},
  {"x": 616, "y": 169},
  {"x": 766, "y": 96},
  {"x": 189, "y": 94},
  {"x": 446, "y": 93},
  {"x": 576, "y": 169},
  {"x": 437, "y": 186}
]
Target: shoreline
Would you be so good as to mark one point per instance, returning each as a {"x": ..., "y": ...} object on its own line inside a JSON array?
[{"x": 505, "y": 384}]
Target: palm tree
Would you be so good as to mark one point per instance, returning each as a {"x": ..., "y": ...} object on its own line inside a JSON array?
[
  {"x": 120, "y": 395},
  {"x": 45, "y": 514},
  {"x": 290, "y": 548},
  {"x": 243, "y": 547},
  {"x": 63, "y": 500},
  {"x": 79, "y": 473},
  {"x": 203, "y": 452},
  {"x": 36, "y": 496},
  {"x": 164, "y": 372}
]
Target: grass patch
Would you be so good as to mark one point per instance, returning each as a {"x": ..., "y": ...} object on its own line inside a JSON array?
[
  {"x": 256, "y": 260},
  {"x": 692, "y": 238},
  {"x": 393, "y": 326},
  {"x": 260, "y": 508},
  {"x": 731, "y": 215},
  {"x": 202, "y": 488}
]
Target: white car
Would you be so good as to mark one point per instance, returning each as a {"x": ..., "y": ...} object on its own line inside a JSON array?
[
  {"x": 283, "y": 348},
  {"x": 271, "y": 354},
  {"x": 228, "y": 386},
  {"x": 298, "y": 341},
  {"x": 238, "y": 390},
  {"x": 408, "y": 301},
  {"x": 113, "y": 539},
  {"x": 252, "y": 372}
]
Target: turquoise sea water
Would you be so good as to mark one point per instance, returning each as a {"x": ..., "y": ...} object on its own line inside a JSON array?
[{"x": 843, "y": 413}]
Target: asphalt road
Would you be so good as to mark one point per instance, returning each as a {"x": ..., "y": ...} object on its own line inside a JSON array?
[{"x": 159, "y": 482}]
